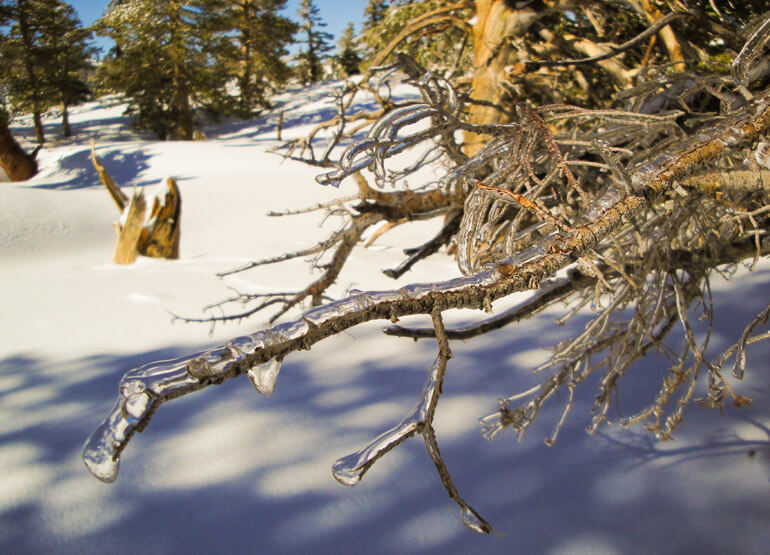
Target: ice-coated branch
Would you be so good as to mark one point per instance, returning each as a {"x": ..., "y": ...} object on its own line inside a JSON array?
[
  {"x": 142, "y": 391},
  {"x": 350, "y": 469}
]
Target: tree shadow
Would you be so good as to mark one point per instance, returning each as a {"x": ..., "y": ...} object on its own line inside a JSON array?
[
  {"x": 125, "y": 165},
  {"x": 256, "y": 470}
]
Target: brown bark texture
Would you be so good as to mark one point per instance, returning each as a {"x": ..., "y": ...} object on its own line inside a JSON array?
[
  {"x": 492, "y": 54},
  {"x": 18, "y": 164},
  {"x": 157, "y": 236}
]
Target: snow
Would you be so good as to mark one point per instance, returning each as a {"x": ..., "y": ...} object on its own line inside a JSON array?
[{"x": 229, "y": 470}]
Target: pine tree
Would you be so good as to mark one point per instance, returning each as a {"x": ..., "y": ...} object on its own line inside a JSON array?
[
  {"x": 164, "y": 61},
  {"x": 22, "y": 59},
  {"x": 382, "y": 24},
  {"x": 374, "y": 13},
  {"x": 43, "y": 57},
  {"x": 347, "y": 59},
  {"x": 316, "y": 41},
  {"x": 259, "y": 40},
  {"x": 66, "y": 51}
]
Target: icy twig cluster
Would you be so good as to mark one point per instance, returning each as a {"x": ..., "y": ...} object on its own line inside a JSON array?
[{"x": 640, "y": 206}]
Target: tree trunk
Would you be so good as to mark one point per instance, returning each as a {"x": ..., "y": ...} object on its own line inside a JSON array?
[
  {"x": 183, "y": 119},
  {"x": 19, "y": 165},
  {"x": 65, "y": 120},
  {"x": 30, "y": 70},
  {"x": 492, "y": 53}
]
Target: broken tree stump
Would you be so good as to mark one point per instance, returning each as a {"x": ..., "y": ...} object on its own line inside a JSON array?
[{"x": 155, "y": 234}]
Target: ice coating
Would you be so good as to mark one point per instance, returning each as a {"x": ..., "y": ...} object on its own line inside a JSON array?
[
  {"x": 264, "y": 376},
  {"x": 610, "y": 198},
  {"x": 648, "y": 172},
  {"x": 211, "y": 363},
  {"x": 350, "y": 469},
  {"x": 381, "y": 296},
  {"x": 753, "y": 49},
  {"x": 135, "y": 406},
  {"x": 473, "y": 521},
  {"x": 99, "y": 453},
  {"x": 289, "y": 331},
  {"x": 317, "y": 316},
  {"x": 142, "y": 390},
  {"x": 497, "y": 147},
  {"x": 382, "y": 141}
]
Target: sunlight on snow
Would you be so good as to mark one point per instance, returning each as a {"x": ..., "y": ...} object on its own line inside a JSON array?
[
  {"x": 430, "y": 529},
  {"x": 22, "y": 475}
]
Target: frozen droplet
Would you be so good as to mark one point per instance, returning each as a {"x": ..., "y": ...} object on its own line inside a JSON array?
[
  {"x": 473, "y": 521},
  {"x": 100, "y": 452},
  {"x": 102, "y": 465},
  {"x": 347, "y": 471},
  {"x": 350, "y": 469},
  {"x": 264, "y": 376}
]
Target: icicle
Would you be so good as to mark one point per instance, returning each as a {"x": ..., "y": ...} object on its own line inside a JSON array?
[
  {"x": 100, "y": 452},
  {"x": 264, "y": 376},
  {"x": 350, "y": 469}
]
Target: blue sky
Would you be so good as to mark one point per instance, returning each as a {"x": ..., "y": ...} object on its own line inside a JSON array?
[{"x": 336, "y": 13}]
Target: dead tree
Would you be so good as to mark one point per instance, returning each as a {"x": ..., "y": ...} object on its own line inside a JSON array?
[
  {"x": 640, "y": 200},
  {"x": 155, "y": 234}
]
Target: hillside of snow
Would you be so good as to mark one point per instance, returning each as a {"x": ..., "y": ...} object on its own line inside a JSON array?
[{"x": 226, "y": 470}]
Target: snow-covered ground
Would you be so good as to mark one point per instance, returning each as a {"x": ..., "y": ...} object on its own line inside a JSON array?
[{"x": 226, "y": 470}]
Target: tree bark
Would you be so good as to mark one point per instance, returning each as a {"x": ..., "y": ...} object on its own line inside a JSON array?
[
  {"x": 156, "y": 236},
  {"x": 19, "y": 165},
  {"x": 65, "y": 120},
  {"x": 492, "y": 54}
]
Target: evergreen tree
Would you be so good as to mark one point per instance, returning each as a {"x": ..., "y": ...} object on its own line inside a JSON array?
[
  {"x": 316, "y": 41},
  {"x": 259, "y": 39},
  {"x": 347, "y": 59},
  {"x": 65, "y": 47},
  {"x": 164, "y": 61},
  {"x": 429, "y": 49},
  {"x": 374, "y": 13},
  {"x": 41, "y": 56}
]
